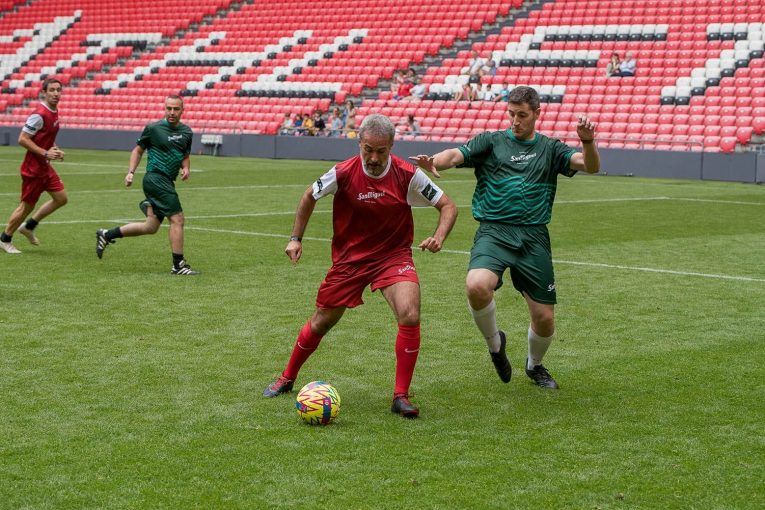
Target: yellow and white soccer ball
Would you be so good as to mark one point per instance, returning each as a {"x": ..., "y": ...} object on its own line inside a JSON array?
[{"x": 318, "y": 403}]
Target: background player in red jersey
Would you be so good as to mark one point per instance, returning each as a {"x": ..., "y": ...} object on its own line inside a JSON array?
[
  {"x": 373, "y": 230},
  {"x": 38, "y": 137}
]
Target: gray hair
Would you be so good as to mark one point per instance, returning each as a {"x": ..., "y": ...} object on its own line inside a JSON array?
[{"x": 377, "y": 124}]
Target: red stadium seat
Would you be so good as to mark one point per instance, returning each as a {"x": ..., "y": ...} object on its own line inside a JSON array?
[
  {"x": 744, "y": 135},
  {"x": 728, "y": 144}
]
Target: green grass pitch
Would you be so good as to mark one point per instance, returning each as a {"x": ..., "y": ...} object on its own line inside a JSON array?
[{"x": 124, "y": 387}]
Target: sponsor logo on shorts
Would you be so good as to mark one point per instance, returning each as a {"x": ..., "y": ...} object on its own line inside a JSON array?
[
  {"x": 370, "y": 195},
  {"x": 407, "y": 268},
  {"x": 551, "y": 287}
]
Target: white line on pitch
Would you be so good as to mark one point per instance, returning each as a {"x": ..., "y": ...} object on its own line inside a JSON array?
[{"x": 570, "y": 262}]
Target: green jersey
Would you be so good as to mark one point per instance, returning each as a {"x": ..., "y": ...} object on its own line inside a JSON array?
[
  {"x": 516, "y": 179},
  {"x": 167, "y": 146}
]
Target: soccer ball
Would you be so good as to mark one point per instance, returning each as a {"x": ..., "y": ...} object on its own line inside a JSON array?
[{"x": 318, "y": 403}]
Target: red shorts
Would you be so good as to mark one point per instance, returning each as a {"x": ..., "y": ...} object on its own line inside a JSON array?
[
  {"x": 345, "y": 283},
  {"x": 33, "y": 187}
]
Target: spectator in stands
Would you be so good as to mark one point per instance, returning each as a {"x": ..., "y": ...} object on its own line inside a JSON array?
[
  {"x": 287, "y": 125},
  {"x": 404, "y": 90},
  {"x": 350, "y": 119},
  {"x": 466, "y": 92},
  {"x": 418, "y": 90},
  {"x": 628, "y": 66},
  {"x": 169, "y": 145},
  {"x": 485, "y": 93},
  {"x": 38, "y": 137},
  {"x": 612, "y": 69},
  {"x": 371, "y": 246},
  {"x": 489, "y": 69},
  {"x": 319, "y": 126},
  {"x": 336, "y": 123},
  {"x": 414, "y": 125},
  {"x": 503, "y": 94},
  {"x": 410, "y": 126},
  {"x": 475, "y": 64},
  {"x": 399, "y": 77},
  {"x": 513, "y": 220},
  {"x": 298, "y": 125},
  {"x": 307, "y": 129}
]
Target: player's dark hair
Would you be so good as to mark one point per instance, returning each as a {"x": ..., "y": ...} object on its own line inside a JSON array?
[
  {"x": 47, "y": 81},
  {"x": 523, "y": 94},
  {"x": 175, "y": 96}
]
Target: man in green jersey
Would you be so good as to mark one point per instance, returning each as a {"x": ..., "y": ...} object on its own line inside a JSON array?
[
  {"x": 516, "y": 172},
  {"x": 169, "y": 144}
]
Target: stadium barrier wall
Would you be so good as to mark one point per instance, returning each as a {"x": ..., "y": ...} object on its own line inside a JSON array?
[
  {"x": 735, "y": 167},
  {"x": 760, "y": 178}
]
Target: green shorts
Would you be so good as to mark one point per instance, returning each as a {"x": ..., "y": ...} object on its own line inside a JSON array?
[
  {"x": 525, "y": 249},
  {"x": 161, "y": 194}
]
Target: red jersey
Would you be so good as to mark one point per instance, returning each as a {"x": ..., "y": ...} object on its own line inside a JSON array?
[
  {"x": 43, "y": 126},
  {"x": 372, "y": 216}
]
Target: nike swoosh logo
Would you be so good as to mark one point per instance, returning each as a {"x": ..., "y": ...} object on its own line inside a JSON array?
[{"x": 410, "y": 351}]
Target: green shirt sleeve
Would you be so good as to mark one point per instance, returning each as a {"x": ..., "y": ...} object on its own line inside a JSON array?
[
  {"x": 187, "y": 149},
  {"x": 145, "y": 139},
  {"x": 476, "y": 150},
  {"x": 562, "y": 158}
]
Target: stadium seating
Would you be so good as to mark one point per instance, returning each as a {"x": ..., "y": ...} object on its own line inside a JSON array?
[{"x": 243, "y": 65}]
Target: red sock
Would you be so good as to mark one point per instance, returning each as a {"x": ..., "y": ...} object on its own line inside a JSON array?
[
  {"x": 305, "y": 344},
  {"x": 407, "y": 349}
]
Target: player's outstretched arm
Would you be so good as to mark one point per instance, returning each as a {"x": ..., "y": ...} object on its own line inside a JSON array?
[
  {"x": 294, "y": 247},
  {"x": 589, "y": 159},
  {"x": 447, "y": 216},
  {"x": 441, "y": 161}
]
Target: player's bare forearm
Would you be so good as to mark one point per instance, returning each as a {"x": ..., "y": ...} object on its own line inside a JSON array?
[
  {"x": 186, "y": 168},
  {"x": 25, "y": 140},
  {"x": 591, "y": 158},
  {"x": 304, "y": 211},
  {"x": 446, "y": 219},
  {"x": 588, "y": 160},
  {"x": 441, "y": 161},
  {"x": 447, "y": 159},
  {"x": 135, "y": 158}
]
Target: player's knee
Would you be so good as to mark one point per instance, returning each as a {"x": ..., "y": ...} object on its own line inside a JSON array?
[
  {"x": 543, "y": 323},
  {"x": 320, "y": 327},
  {"x": 61, "y": 200},
  {"x": 151, "y": 225},
  {"x": 322, "y": 323},
  {"x": 409, "y": 317},
  {"x": 477, "y": 290}
]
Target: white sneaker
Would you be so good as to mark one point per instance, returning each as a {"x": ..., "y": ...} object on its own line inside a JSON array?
[
  {"x": 29, "y": 234},
  {"x": 9, "y": 248}
]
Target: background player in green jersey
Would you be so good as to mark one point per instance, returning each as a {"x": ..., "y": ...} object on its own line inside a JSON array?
[
  {"x": 169, "y": 144},
  {"x": 516, "y": 172}
]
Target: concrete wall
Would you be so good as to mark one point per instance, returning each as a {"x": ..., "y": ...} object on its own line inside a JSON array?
[{"x": 737, "y": 167}]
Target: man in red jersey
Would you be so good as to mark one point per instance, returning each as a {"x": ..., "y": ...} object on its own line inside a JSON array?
[
  {"x": 38, "y": 137},
  {"x": 373, "y": 230}
]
